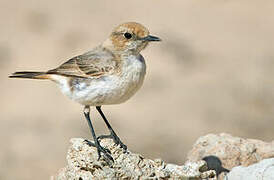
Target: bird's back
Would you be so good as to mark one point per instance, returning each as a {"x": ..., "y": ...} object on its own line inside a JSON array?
[{"x": 94, "y": 63}]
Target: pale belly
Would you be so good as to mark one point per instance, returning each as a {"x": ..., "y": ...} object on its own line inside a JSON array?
[
  {"x": 109, "y": 89},
  {"x": 105, "y": 90}
]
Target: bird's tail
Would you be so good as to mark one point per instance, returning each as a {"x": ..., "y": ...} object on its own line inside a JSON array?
[{"x": 30, "y": 75}]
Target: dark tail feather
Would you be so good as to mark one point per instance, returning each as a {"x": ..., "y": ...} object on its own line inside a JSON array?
[{"x": 30, "y": 75}]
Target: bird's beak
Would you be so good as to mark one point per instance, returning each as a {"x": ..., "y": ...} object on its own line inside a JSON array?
[{"x": 151, "y": 38}]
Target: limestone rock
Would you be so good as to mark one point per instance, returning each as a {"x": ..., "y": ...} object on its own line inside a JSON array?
[
  {"x": 262, "y": 170},
  {"x": 232, "y": 151},
  {"x": 83, "y": 165},
  {"x": 223, "y": 152}
]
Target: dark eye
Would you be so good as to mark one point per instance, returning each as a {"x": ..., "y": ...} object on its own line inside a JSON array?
[{"x": 127, "y": 35}]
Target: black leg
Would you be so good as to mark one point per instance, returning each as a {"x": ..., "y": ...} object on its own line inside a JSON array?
[
  {"x": 96, "y": 143},
  {"x": 112, "y": 135}
]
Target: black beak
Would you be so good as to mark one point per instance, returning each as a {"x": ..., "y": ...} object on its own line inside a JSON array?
[{"x": 151, "y": 38}]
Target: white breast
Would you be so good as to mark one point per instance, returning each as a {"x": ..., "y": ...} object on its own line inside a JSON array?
[
  {"x": 109, "y": 89},
  {"x": 133, "y": 73}
]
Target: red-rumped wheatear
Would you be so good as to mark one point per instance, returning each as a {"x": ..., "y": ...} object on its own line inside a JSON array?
[{"x": 109, "y": 74}]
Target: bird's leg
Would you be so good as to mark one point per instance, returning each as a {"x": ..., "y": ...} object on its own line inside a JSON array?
[
  {"x": 112, "y": 135},
  {"x": 96, "y": 143}
]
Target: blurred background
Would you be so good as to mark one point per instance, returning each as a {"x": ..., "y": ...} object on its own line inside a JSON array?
[{"x": 212, "y": 73}]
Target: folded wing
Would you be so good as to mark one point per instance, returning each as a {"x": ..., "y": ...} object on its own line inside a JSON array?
[{"x": 94, "y": 63}]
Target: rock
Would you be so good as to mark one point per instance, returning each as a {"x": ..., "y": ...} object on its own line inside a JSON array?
[
  {"x": 223, "y": 152},
  {"x": 262, "y": 170},
  {"x": 83, "y": 165}
]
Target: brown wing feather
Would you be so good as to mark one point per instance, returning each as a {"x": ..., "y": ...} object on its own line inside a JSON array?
[{"x": 91, "y": 64}]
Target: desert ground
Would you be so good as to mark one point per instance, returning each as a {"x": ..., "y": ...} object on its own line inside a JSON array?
[{"x": 213, "y": 72}]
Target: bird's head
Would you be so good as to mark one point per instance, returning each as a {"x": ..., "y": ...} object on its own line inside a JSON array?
[{"x": 129, "y": 38}]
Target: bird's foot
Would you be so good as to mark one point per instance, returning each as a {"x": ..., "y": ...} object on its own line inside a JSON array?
[
  {"x": 106, "y": 152},
  {"x": 115, "y": 138}
]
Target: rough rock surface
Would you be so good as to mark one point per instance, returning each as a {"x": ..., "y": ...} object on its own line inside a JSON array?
[
  {"x": 83, "y": 165},
  {"x": 232, "y": 151},
  {"x": 223, "y": 151},
  {"x": 263, "y": 170}
]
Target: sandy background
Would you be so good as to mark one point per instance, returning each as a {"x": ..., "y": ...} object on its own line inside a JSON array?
[{"x": 212, "y": 73}]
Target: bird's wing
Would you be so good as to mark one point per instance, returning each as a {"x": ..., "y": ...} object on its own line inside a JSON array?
[{"x": 94, "y": 63}]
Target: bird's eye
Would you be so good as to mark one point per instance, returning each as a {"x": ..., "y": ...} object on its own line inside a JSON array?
[{"x": 127, "y": 35}]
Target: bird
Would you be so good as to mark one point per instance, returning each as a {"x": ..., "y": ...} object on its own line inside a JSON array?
[{"x": 110, "y": 73}]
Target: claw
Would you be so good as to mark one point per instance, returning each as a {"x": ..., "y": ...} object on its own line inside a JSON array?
[
  {"x": 89, "y": 143},
  {"x": 104, "y": 137},
  {"x": 106, "y": 152}
]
